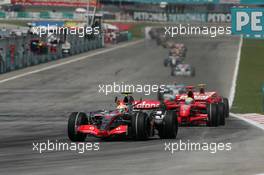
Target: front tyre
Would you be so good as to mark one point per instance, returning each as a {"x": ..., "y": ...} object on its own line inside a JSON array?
[
  {"x": 193, "y": 72},
  {"x": 75, "y": 120},
  {"x": 166, "y": 62},
  {"x": 172, "y": 72},
  {"x": 226, "y": 104},
  {"x": 169, "y": 127}
]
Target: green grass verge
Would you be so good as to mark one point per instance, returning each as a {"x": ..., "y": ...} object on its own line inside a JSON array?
[
  {"x": 138, "y": 30},
  {"x": 249, "y": 97},
  {"x": 14, "y": 22}
]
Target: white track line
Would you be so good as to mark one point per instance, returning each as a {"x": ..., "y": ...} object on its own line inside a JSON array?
[
  {"x": 70, "y": 61},
  {"x": 248, "y": 120},
  {"x": 233, "y": 87}
]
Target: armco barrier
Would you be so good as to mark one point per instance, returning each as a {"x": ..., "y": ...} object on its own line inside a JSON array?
[{"x": 15, "y": 52}]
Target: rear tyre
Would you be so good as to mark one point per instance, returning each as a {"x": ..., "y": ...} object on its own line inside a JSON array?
[
  {"x": 221, "y": 113},
  {"x": 166, "y": 62},
  {"x": 226, "y": 104},
  {"x": 192, "y": 72},
  {"x": 75, "y": 120},
  {"x": 212, "y": 113},
  {"x": 169, "y": 127},
  {"x": 172, "y": 72},
  {"x": 140, "y": 126}
]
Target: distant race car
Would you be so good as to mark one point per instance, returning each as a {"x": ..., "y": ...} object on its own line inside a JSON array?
[
  {"x": 183, "y": 70},
  {"x": 213, "y": 97},
  {"x": 196, "y": 108},
  {"x": 66, "y": 48},
  {"x": 172, "y": 61},
  {"x": 168, "y": 44},
  {"x": 161, "y": 40},
  {"x": 171, "y": 91},
  {"x": 178, "y": 49},
  {"x": 131, "y": 119},
  {"x": 38, "y": 46}
]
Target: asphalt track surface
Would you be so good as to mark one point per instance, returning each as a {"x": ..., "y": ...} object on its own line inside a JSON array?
[{"x": 35, "y": 108}]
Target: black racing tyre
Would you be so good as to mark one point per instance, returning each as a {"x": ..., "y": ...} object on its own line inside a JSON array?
[
  {"x": 160, "y": 95},
  {"x": 166, "y": 62},
  {"x": 169, "y": 127},
  {"x": 212, "y": 112},
  {"x": 172, "y": 72},
  {"x": 221, "y": 113},
  {"x": 158, "y": 41},
  {"x": 226, "y": 104},
  {"x": 193, "y": 72},
  {"x": 76, "y": 119},
  {"x": 140, "y": 126}
]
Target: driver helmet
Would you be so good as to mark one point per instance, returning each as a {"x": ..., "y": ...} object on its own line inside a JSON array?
[
  {"x": 121, "y": 106},
  {"x": 188, "y": 100},
  {"x": 202, "y": 91}
]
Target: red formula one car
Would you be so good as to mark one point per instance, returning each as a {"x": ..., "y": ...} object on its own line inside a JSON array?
[
  {"x": 132, "y": 119},
  {"x": 195, "y": 108}
]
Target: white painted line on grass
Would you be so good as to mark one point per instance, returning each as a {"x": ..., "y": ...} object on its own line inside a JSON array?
[
  {"x": 248, "y": 121},
  {"x": 70, "y": 61},
  {"x": 234, "y": 81}
]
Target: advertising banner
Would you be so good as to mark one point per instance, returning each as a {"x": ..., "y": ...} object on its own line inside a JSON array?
[
  {"x": 65, "y": 3},
  {"x": 251, "y": 1},
  {"x": 5, "y": 2},
  {"x": 248, "y": 22},
  {"x": 48, "y": 23},
  {"x": 173, "y": 1}
]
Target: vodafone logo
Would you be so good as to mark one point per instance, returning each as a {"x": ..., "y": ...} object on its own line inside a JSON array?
[{"x": 145, "y": 105}]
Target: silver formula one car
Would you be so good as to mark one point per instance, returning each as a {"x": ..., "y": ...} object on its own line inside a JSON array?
[
  {"x": 172, "y": 61},
  {"x": 183, "y": 70},
  {"x": 170, "y": 91}
]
